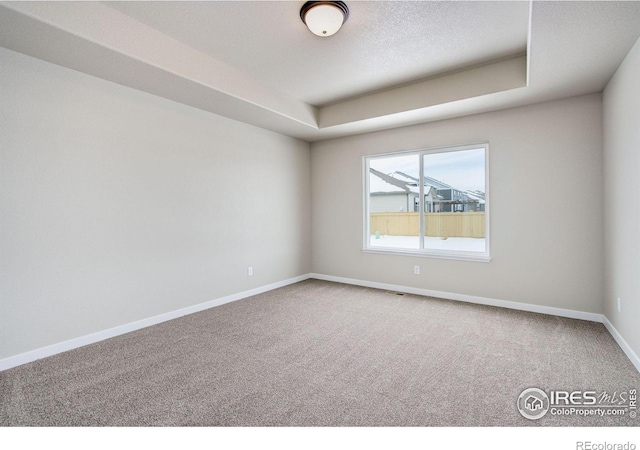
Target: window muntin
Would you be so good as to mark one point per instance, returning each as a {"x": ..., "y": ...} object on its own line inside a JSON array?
[{"x": 452, "y": 221}]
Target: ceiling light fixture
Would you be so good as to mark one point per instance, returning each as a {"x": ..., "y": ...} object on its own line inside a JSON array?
[{"x": 324, "y": 18}]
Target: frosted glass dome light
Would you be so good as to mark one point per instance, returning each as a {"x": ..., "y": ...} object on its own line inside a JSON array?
[{"x": 324, "y": 18}]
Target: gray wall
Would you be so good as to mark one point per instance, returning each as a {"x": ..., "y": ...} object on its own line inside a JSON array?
[
  {"x": 547, "y": 248},
  {"x": 622, "y": 193},
  {"x": 116, "y": 205}
]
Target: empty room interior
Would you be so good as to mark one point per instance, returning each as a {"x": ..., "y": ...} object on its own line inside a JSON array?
[{"x": 288, "y": 213}]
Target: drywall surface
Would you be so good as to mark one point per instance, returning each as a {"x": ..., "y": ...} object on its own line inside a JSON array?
[
  {"x": 546, "y": 206},
  {"x": 116, "y": 205},
  {"x": 621, "y": 115}
]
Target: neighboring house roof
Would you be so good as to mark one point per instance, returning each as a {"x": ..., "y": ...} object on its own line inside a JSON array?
[
  {"x": 386, "y": 183},
  {"x": 401, "y": 183},
  {"x": 407, "y": 179},
  {"x": 427, "y": 181},
  {"x": 475, "y": 195},
  {"x": 478, "y": 194}
]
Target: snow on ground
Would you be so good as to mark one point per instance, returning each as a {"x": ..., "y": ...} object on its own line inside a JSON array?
[{"x": 430, "y": 243}]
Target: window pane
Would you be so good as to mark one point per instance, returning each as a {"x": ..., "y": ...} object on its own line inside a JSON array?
[
  {"x": 454, "y": 196},
  {"x": 394, "y": 193}
]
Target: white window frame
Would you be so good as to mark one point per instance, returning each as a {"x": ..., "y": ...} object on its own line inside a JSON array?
[{"x": 422, "y": 252}]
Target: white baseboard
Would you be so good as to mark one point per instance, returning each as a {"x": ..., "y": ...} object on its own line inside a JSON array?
[
  {"x": 626, "y": 348},
  {"x": 81, "y": 341},
  {"x": 569, "y": 313}
]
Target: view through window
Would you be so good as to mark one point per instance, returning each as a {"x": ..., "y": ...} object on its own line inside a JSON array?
[{"x": 431, "y": 202}]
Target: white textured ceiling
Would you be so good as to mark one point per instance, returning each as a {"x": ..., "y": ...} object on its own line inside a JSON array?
[
  {"x": 381, "y": 45},
  {"x": 394, "y": 63}
]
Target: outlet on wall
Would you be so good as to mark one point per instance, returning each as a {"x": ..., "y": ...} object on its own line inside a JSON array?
[
  {"x": 250, "y": 271},
  {"x": 619, "y": 305},
  {"x": 416, "y": 270}
]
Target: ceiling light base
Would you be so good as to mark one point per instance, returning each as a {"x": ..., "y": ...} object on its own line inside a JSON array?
[{"x": 324, "y": 18}]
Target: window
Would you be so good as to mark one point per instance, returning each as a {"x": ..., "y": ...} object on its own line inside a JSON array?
[{"x": 428, "y": 202}]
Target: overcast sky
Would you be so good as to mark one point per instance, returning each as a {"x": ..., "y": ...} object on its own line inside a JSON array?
[{"x": 464, "y": 170}]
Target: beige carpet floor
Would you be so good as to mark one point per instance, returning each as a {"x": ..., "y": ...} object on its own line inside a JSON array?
[{"x": 323, "y": 354}]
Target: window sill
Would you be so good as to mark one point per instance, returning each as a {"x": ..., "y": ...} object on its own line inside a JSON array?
[{"x": 427, "y": 254}]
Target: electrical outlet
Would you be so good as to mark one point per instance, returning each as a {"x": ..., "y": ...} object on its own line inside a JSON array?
[
  {"x": 619, "y": 305},
  {"x": 250, "y": 271},
  {"x": 416, "y": 270}
]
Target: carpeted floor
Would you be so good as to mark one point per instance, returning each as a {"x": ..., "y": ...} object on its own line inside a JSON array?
[{"x": 323, "y": 354}]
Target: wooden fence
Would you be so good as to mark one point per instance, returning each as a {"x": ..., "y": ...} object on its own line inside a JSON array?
[{"x": 468, "y": 224}]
